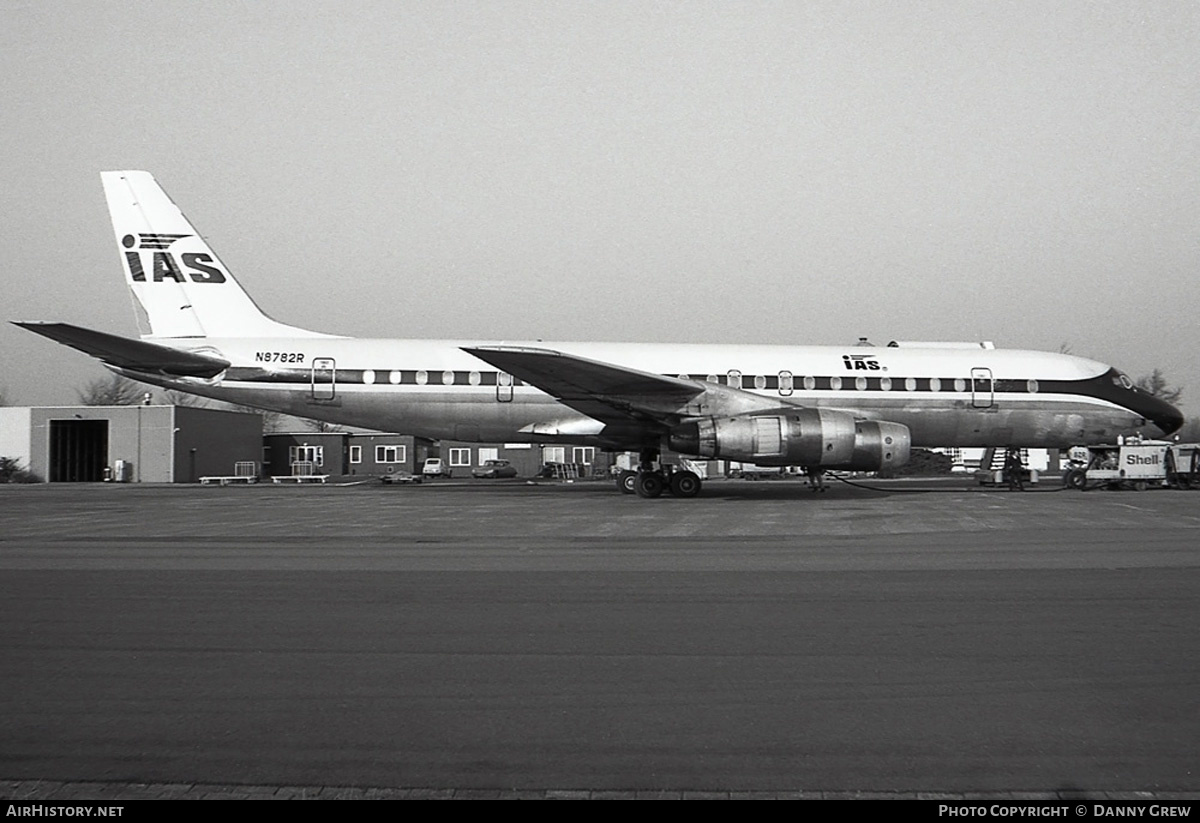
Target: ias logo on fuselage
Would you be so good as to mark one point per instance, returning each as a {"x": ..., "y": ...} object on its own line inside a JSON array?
[
  {"x": 195, "y": 266},
  {"x": 861, "y": 362}
]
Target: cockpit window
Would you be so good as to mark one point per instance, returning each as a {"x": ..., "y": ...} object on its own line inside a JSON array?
[{"x": 1125, "y": 381}]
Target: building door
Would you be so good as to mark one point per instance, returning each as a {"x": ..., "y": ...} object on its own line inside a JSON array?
[
  {"x": 982, "y": 389},
  {"x": 78, "y": 450},
  {"x": 324, "y": 378}
]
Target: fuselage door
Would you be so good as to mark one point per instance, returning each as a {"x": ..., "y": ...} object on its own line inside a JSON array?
[
  {"x": 982, "y": 389},
  {"x": 786, "y": 382},
  {"x": 504, "y": 387},
  {"x": 324, "y": 378}
]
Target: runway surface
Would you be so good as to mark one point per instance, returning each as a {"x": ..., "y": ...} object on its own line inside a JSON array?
[{"x": 566, "y": 637}]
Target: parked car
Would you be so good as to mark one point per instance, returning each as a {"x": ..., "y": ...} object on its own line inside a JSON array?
[
  {"x": 401, "y": 476},
  {"x": 434, "y": 467},
  {"x": 494, "y": 469}
]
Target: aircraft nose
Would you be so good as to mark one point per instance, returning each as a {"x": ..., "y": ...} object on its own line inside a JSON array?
[{"x": 1162, "y": 414}]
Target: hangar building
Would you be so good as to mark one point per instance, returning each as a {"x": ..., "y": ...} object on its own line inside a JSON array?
[{"x": 140, "y": 444}]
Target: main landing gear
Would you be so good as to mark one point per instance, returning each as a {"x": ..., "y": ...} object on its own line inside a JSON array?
[{"x": 649, "y": 481}]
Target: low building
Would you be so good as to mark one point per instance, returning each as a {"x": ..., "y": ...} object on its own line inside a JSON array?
[
  {"x": 343, "y": 453},
  {"x": 528, "y": 459},
  {"x": 138, "y": 444}
]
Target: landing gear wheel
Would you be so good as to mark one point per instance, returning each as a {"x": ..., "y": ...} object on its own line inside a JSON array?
[
  {"x": 627, "y": 482},
  {"x": 1076, "y": 479},
  {"x": 685, "y": 484},
  {"x": 650, "y": 484}
]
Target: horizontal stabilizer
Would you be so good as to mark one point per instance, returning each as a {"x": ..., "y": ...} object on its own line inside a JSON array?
[{"x": 124, "y": 353}]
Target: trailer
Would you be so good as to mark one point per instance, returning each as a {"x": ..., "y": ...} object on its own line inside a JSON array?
[{"x": 1137, "y": 465}]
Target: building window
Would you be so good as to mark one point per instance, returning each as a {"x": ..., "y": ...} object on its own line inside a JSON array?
[
  {"x": 460, "y": 457},
  {"x": 583, "y": 454},
  {"x": 307, "y": 454},
  {"x": 488, "y": 454},
  {"x": 554, "y": 454},
  {"x": 390, "y": 454},
  {"x": 356, "y": 454}
]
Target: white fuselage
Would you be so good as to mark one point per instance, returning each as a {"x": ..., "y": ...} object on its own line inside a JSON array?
[{"x": 432, "y": 388}]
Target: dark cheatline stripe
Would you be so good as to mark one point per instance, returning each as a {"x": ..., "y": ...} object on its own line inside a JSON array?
[
  {"x": 1097, "y": 387},
  {"x": 1106, "y": 387}
]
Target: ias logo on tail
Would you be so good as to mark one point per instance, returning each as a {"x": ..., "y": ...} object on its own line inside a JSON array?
[
  {"x": 152, "y": 241},
  {"x": 196, "y": 266}
]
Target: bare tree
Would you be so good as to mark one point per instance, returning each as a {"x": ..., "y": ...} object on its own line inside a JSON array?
[
  {"x": 11, "y": 471},
  {"x": 272, "y": 421},
  {"x": 111, "y": 391},
  {"x": 181, "y": 398},
  {"x": 1155, "y": 385},
  {"x": 321, "y": 425}
]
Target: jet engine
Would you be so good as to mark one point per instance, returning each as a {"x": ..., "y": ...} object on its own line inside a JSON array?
[{"x": 800, "y": 437}]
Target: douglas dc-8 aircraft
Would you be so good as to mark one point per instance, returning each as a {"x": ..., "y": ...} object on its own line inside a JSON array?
[{"x": 818, "y": 407}]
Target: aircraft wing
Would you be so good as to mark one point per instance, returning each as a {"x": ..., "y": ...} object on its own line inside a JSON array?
[
  {"x": 124, "y": 353},
  {"x": 606, "y": 392}
]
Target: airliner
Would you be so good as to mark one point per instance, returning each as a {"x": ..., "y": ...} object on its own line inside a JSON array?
[{"x": 816, "y": 407}]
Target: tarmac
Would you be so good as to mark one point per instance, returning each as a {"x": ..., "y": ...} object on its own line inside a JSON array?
[{"x": 474, "y": 639}]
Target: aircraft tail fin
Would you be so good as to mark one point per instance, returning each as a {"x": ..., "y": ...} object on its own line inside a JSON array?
[{"x": 184, "y": 288}]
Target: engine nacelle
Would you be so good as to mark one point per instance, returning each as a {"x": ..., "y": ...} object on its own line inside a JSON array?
[{"x": 816, "y": 438}]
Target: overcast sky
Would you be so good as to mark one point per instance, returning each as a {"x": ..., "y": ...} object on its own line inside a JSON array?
[{"x": 798, "y": 172}]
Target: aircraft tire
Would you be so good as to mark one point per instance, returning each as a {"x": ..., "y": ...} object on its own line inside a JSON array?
[
  {"x": 650, "y": 484},
  {"x": 685, "y": 484},
  {"x": 1076, "y": 479},
  {"x": 627, "y": 482}
]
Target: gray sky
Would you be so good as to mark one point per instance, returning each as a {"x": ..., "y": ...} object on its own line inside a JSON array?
[{"x": 797, "y": 172}]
